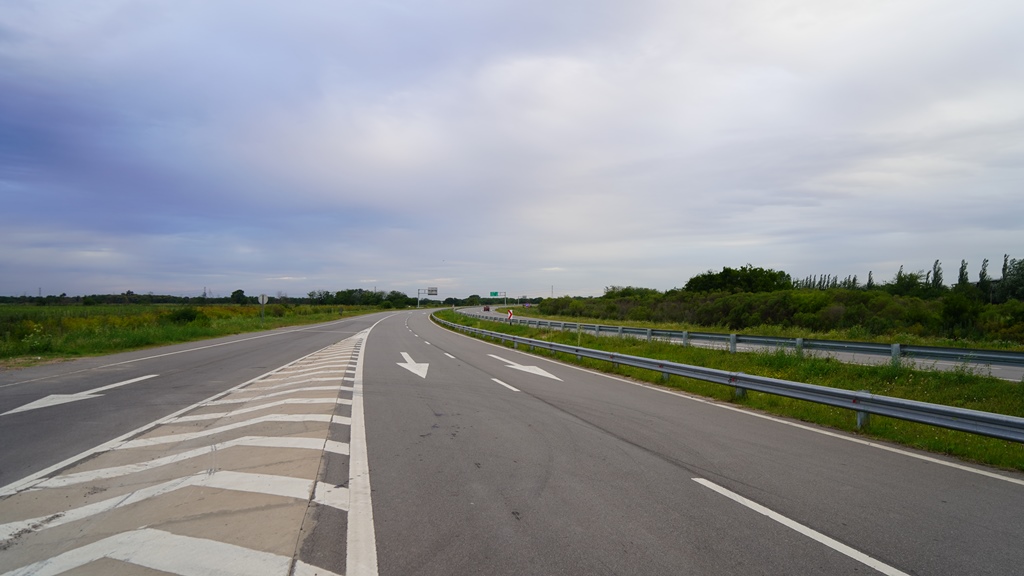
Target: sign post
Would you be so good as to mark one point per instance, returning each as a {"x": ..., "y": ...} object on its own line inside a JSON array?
[
  {"x": 263, "y": 301},
  {"x": 428, "y": 291},
  {"x": 500, "y": 295}
]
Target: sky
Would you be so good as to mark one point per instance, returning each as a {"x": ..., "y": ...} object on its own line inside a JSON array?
[{"x": 535, "y": 148}]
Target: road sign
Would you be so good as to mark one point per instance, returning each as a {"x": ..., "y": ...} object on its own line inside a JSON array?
[
  {"x": 510, "y": 314},
  {"x": 431, "y": 291},
  {"x": 263, "y": 299},
  {"x": 495, "y": 294}
]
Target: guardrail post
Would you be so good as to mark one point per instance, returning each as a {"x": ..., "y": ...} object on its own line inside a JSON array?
[
  {"x": 515, "y": 344},
  {"x": 620, "y": 332},
  {"x": 732, "y": 343},
  {"x": 896, "y": 354},
  {"x": 686, "y": 338},
  {"x": 800, "y": 347},
  {"x": 649, "y": 334}
]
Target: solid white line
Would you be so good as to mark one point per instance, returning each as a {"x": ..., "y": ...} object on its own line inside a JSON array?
[
  {"x": 804, "y": 427},
  {"x": 216, "y": 415},
  {"x": 806, "y": 531},
  {"x": 162, "y": 551},
  {"x": 172, "y": 438},
  {"x": 333, "y": 496},
  {"x": 271, "y": 395},
  {"x": 256, "y": 441},
  {"x": 27, "y": 481},
  {"x": 303, "y": 569},
  {"x": 505, "y": 385},
  {"x": 284, "y": 486},
  {"x": 361, "y": 541}
]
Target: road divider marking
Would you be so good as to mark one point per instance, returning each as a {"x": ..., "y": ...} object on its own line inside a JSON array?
[
  {"x": 805, "y": 530},
  {"x": 301, "y": 401},
  {"x": 233, "y": 400},
  {"x": 162, "y": 551},
  {"x": 332, "y": 446},
  {"x": 512, "y": 388},
  {"x": 173, "y": 438}
]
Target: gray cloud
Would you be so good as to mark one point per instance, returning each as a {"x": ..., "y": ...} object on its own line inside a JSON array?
[{"x": 168, "y": 146}]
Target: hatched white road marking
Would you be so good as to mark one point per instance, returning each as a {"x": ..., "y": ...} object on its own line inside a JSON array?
[{"x": 161, "y": 550}]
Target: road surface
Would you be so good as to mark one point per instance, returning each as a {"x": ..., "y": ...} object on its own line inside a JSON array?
[{"x": 388, "y": 445}]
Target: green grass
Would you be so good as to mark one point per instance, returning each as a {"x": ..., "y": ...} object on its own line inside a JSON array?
[
  {"x": 33, "y": 334},
  {"x": 962, "y": 388},
  {"x": 854, "y": 334}
]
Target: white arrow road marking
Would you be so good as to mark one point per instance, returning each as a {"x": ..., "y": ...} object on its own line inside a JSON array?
[
  {"x": 417, "y": 369},
  {"x": 55, "y": 399},
  {"x": 531, "y": 369}
]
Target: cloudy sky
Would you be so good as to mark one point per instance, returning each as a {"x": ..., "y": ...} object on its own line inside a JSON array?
[{"x": 531, "y": 147}]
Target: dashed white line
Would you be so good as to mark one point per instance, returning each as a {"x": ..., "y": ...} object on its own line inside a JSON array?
[
  {"x": 505, "y": 385},
  {"x": 805, "y": 530},
  {"x": 449, "y": 355}
]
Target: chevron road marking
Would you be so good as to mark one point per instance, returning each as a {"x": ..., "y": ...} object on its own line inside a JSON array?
[{"x": 173, "y": 490}]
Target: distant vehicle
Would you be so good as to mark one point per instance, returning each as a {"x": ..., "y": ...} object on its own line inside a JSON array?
[{"x": 487, "y": 308}]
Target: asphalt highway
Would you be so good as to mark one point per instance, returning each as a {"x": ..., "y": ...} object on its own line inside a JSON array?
[{"x": 443, "y": 454}]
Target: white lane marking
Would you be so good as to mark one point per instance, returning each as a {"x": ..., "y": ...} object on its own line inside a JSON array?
[
  {"x": 449, "y": 355},
  {"x": 530, "y": 369},
  {"x": 161, "y": 551},
  {"x": 333, "y": 496},
  {"x": 286, "y": 382},
  {"x": 284, "y": 486},
  {"x": 55, "y": 399},
  {"x": 361, "y": 541},
  {"x": 505, "y": 385},
  {"x": 419, "y": 369},
  {"x": 172, "y": 438},
  {"x": 303, "y": 569},
  {"x": 805, "y": 530},
  {"x": 824, "y": 432},
  {"x": 216, "y": 415},
  {"x": 29, "y": 480},
  {"x": 234, "y": 400},
  {"x": 332, "y": 446}
]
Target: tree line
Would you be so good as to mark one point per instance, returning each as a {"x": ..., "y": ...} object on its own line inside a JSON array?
[{"x": 917, "y": 303}]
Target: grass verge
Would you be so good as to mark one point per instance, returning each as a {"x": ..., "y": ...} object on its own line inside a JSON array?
[
  {"x": 30, "y": 336},
  {"x": 962, "y": 388}
]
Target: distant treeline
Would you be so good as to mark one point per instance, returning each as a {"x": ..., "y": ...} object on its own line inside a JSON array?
[
  {"x": 349, "y": 297},
  {"x": 916, "y": 303}
]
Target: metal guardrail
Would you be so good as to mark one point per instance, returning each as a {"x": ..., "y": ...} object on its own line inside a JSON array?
[
  {"x": 894, "y": 351},
  {"x": 862, "y": 402}
]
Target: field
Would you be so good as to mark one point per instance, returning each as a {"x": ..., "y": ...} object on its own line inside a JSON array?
[{"x": 32, "y": 334}]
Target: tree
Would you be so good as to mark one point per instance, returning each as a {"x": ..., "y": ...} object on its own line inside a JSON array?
[
  {"x": 238, "y": 297},
  {"x": 962, "y": 279},
  {"x": 746, "y": 279},
  {"x": 984, "y": 282},
  {"x": 937, "y": 275}
]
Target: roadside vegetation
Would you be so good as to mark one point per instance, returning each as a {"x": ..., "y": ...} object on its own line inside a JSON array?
[
  {"x": 964, "y": 387},
  {"x": 31, "y": 334}
]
